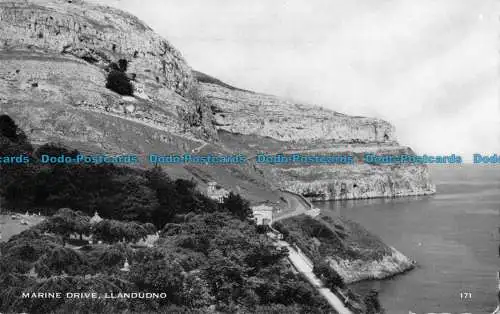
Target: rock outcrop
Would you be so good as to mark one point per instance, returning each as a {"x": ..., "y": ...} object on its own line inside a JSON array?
[
  {"x": 358, "y": 270},
  {"x": 244, "y": 112},
  {"x": 273, "y": 125},
  {"x": 56, "y": 55},
  {"x": 100, "y": 35},
  {"x": 355, "y": 181}
]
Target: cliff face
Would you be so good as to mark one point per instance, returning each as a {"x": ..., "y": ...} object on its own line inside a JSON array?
[
  {"x": 95, "y": 33},
  {"x": 244, "y": 112},
  {"x": 389, "y": 265},
  {"x": 272, "y": 125},
  {"x": 55, "y": 56},
  {"x": 322, "y": 183}
]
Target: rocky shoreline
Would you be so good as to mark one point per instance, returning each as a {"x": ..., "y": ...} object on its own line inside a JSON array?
[{"x": 360, "y": 270}]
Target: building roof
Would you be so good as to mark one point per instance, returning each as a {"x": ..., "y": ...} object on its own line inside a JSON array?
[
  {"x": 262, "y": 207},
  {"x": 95, "y": 219}
]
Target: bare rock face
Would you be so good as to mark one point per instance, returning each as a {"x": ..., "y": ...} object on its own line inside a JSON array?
[
  {"x": 323, "y": 183},
  {"x": 357, "y": 270},
  {"x": 270, "y": 124},
  {"x": 244, "y": 112},
  {"x": 97, "y": 34},
  {"x": 55, "y": 56},
  {"x": 58, "y": 97}
]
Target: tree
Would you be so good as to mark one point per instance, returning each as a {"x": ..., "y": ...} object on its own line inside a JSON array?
[
  {"x": 59, "y": 260},
  {"x": 66, "y": 222},
  {"x": 119, "y": 82},
  {"x": 110, "y": 231},
  {"x": 372, "y": 303},
  {"x": 10, "y": 130},
  {"x": 123, "y": 65},
  {"x": 29, "y": 245},
  {"x": 195, "y": 291},
  {"x": 162, "y": 275},
  {"x": 237, "y": 206},
  {"x": 328, "y": 275}
]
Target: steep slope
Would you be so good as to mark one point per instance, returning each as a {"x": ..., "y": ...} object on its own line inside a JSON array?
[
  {"x": 95, "y": 33},
  {"x": 55, "y": 57},
  {"x": 246, "y": 113},
  {"x": 256, "y": 123}
]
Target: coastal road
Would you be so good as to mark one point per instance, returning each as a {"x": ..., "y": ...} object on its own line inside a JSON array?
[
  {"x": 304, "y": 266},
  {"x": 296, "y": 206}
]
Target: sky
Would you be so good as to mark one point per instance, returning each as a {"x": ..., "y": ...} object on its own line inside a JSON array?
[{"x": 429, "y": 67}]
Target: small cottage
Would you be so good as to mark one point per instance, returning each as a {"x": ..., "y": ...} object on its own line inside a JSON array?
[{"x": 263, "y": 214}]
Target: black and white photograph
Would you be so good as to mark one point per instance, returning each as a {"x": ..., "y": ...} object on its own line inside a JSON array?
[{"x": 250, "y": 156}]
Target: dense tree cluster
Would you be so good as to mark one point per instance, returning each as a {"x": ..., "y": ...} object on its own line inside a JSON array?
[
  {"x": 209, "y": 262},
  {"x": 210, "y": 257},
  {"x": 65, "y": 223},
  {"x": 131, "y": 194}
]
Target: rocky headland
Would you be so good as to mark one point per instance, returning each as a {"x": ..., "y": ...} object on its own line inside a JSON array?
[{"x": 348, "y": 248}]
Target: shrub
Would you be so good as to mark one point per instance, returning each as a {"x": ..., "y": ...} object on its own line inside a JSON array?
[
  {"x": 118, "y": 81},
  {"x": 123, "y": 65},
  {"x": 372, "y": 303},
  {"x": 329, "y": 276}
]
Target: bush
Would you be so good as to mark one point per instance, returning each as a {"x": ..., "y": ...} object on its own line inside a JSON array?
[
  {"x": 372, "y": 303},
  {"x": 328, "y": 275},
  {"x": 118, "y": 81},
  {"x": 123, "y": 65}
]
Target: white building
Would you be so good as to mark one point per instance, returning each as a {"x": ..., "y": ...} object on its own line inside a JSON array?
[
  {"x": 95, "y": 219},
  {"x": 263, "y": 214},
  {"x": 216, "y": 194}
]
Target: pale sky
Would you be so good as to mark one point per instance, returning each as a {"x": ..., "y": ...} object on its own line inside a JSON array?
[{"x": 429, "y": 67}]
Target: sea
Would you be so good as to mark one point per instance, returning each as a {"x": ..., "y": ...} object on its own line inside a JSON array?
[{"x": 452, "y": 235}]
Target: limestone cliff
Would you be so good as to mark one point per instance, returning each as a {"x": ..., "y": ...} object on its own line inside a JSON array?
[
  {"x": 56, "y": 54},
  {"x": 257, "y": 123},
  {"x": 95, "y": 33},
  {"x": 244, "y": 112}
]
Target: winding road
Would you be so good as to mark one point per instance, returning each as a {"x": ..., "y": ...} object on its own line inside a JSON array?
[
  {"x": 304, "y": 266},
  {"x": 297, "y": 205}
]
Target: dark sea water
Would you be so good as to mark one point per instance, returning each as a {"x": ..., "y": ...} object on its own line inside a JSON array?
[{"x": 452, "y": 235}]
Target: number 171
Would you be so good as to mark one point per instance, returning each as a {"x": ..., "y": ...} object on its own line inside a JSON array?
[{"x": 465, "y": 295}]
